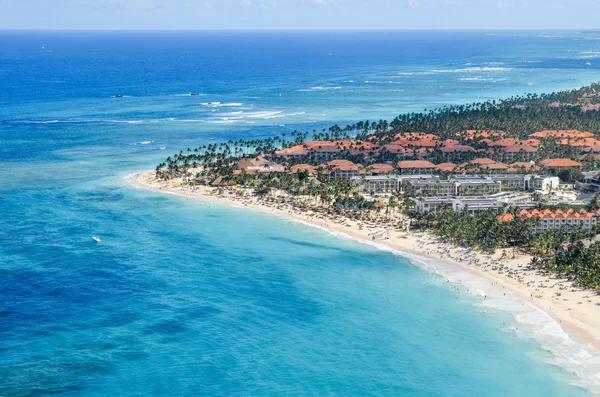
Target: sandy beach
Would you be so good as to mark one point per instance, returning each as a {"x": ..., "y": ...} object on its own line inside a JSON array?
[{"x": 576, "y": 310}]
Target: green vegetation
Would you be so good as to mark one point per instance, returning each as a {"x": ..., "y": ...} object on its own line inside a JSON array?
[
  {"x": 482, "y": 231},
  {"x": 218, "y": 165}
]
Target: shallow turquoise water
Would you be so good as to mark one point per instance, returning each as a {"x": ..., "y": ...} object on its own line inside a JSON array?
[{"x": 184, "y": 298}]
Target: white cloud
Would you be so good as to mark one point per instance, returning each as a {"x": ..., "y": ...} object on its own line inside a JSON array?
[
  {"x": 414, "y": 3},
  {"x": 246, "y": 3}
]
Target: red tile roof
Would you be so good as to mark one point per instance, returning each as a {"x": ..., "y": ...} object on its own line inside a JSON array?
[
  {"x": 554, "y": 214},
  {"x": 471, "y": 134},
  {"x": 561, "y": 134},
  {"x": 482, "y": 161},
  {"x": 380, "y": 168},
  {"x": 549, "y": 163},
  {"x": 303, "y": 167},
  {"x": 416, "y": 136},
  {"x": 520, "y": 165},
  {"x": 448, "y": 167},
  {"x": 579, "y": 142},
  {"x": 495, "y": 166},
  {"x": 397, "y": 149},
  {"x": 341, "y": 165},
  {"x": 505, "y": 218},
  {"x": 457, "y": 149},
  {"x": 518, "y": 148},
  {"x": 505, "y": 142},
  {"x": 407, "y": 164},
  {"x": 450, "y": 142}
]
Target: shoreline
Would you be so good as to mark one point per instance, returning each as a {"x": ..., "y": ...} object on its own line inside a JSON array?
[{"x": 574, "y": 310}]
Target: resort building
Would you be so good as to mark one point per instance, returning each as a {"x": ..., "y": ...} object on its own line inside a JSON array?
[
  {"x": 377, "y": 183},
  {"x": 340, "y": 169},
  {"x": 293, "y": 152},
  {"x": 473, "y": 204},
  {"x": 542, "y": 183},
  {"x": 470, "y": 185},
  {"x": 524, "y": 152},
  {"x": 511, "y": 182},
  {"x": 431, "y": 187},
  {"x": 446, "y": 167},
  {"x": 380, "y": 169},
  {"x": 416, "y": 167},
  {"x": 560, "y": 164},
  {"x": 560, "y": 219},
  {"x": 561, "y": 134},
  {"x": 303, "y": 168}
]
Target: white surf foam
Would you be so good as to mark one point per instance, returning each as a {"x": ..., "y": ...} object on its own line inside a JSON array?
[{"x": 573, "y": 356}]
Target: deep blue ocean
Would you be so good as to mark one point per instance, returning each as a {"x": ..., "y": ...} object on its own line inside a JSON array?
[{"x": 182, "y": 298}]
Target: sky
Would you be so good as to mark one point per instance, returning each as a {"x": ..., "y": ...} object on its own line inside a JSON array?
[{"x": 300, "y": 14}]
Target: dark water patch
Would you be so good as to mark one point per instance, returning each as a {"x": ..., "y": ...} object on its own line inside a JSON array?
[
  {"x": 130, "y": 355},
  {"x": 199, "y": 312},
  {"x": 307, "y": 244},
  {"x": 166, "y": 327}
]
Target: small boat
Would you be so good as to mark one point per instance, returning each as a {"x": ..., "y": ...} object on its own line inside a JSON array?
[
  {"x": 96, "y": 239},
  {"x": 194, "y": 94},
  {"x": 118, "y": 96}
]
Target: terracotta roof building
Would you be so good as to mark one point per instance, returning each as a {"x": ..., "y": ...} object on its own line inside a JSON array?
[
  {"x": 560, "y": 219},
  {"x": 561, "y": 134},
  {"x": 582, "y": 142},
  {"x": 560, "y": 164},
  {"x": 379, "y": 169},
  {"x": 398, "y": 150},
  {"x": 340, "y": 169},
  {"x": 416, "y": 167},
  {"x": 457, "y": 149},
  {"x": 478, "y": 134},
  {"x": 446, "y": 167},
  {"x": 521, "y": 166},
  {"x": 302, "y": 168}
]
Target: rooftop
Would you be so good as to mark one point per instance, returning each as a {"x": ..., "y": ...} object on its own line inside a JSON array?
[{"x": 415, "y": 164}]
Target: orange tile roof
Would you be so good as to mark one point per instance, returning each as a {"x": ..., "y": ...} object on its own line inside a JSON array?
[
  {"x": 482, "y": 161},
  {"x": 448, "y": 167},
  {"x": 554, "y": 214},
  {"x": 457, "y": 149},
  {"x": 294, "y": 150},
  {"x": 381, "y": 168},
  {"x": 518, "y": 148},
  {"x": 341, "y": 165},
  {"x": 561, "y": 134},
  {"x": 415, "y": 164},
  {"x": 520, "y": 166},
  {"x": 416, "y": 136},
  {"x": 450, "y": 142},
  {"x": 579, "y": 142},
  {"x": 423, "y": 143},
  {"x": 471, "y": 134},
  {"x": 303, "y": 167},
  {"x": 495, "y": 166},
  {"x": 338, "y": 163},
  {"x": 531, "y": 142},
  {"x": 549, "y": 163},
  {"x": 505, "y": 142},
  {"x": 505, "y": 218},
  {"x": 395, "y": 149}
]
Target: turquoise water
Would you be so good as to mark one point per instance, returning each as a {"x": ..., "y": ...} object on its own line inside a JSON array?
[{"x": 184, "y": 298}]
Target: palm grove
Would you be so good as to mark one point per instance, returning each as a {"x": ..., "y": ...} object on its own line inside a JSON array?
[{"x": 560, "y": 251}]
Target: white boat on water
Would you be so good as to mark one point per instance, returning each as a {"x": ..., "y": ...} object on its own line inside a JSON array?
[{"x": 96, "y": 239}]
